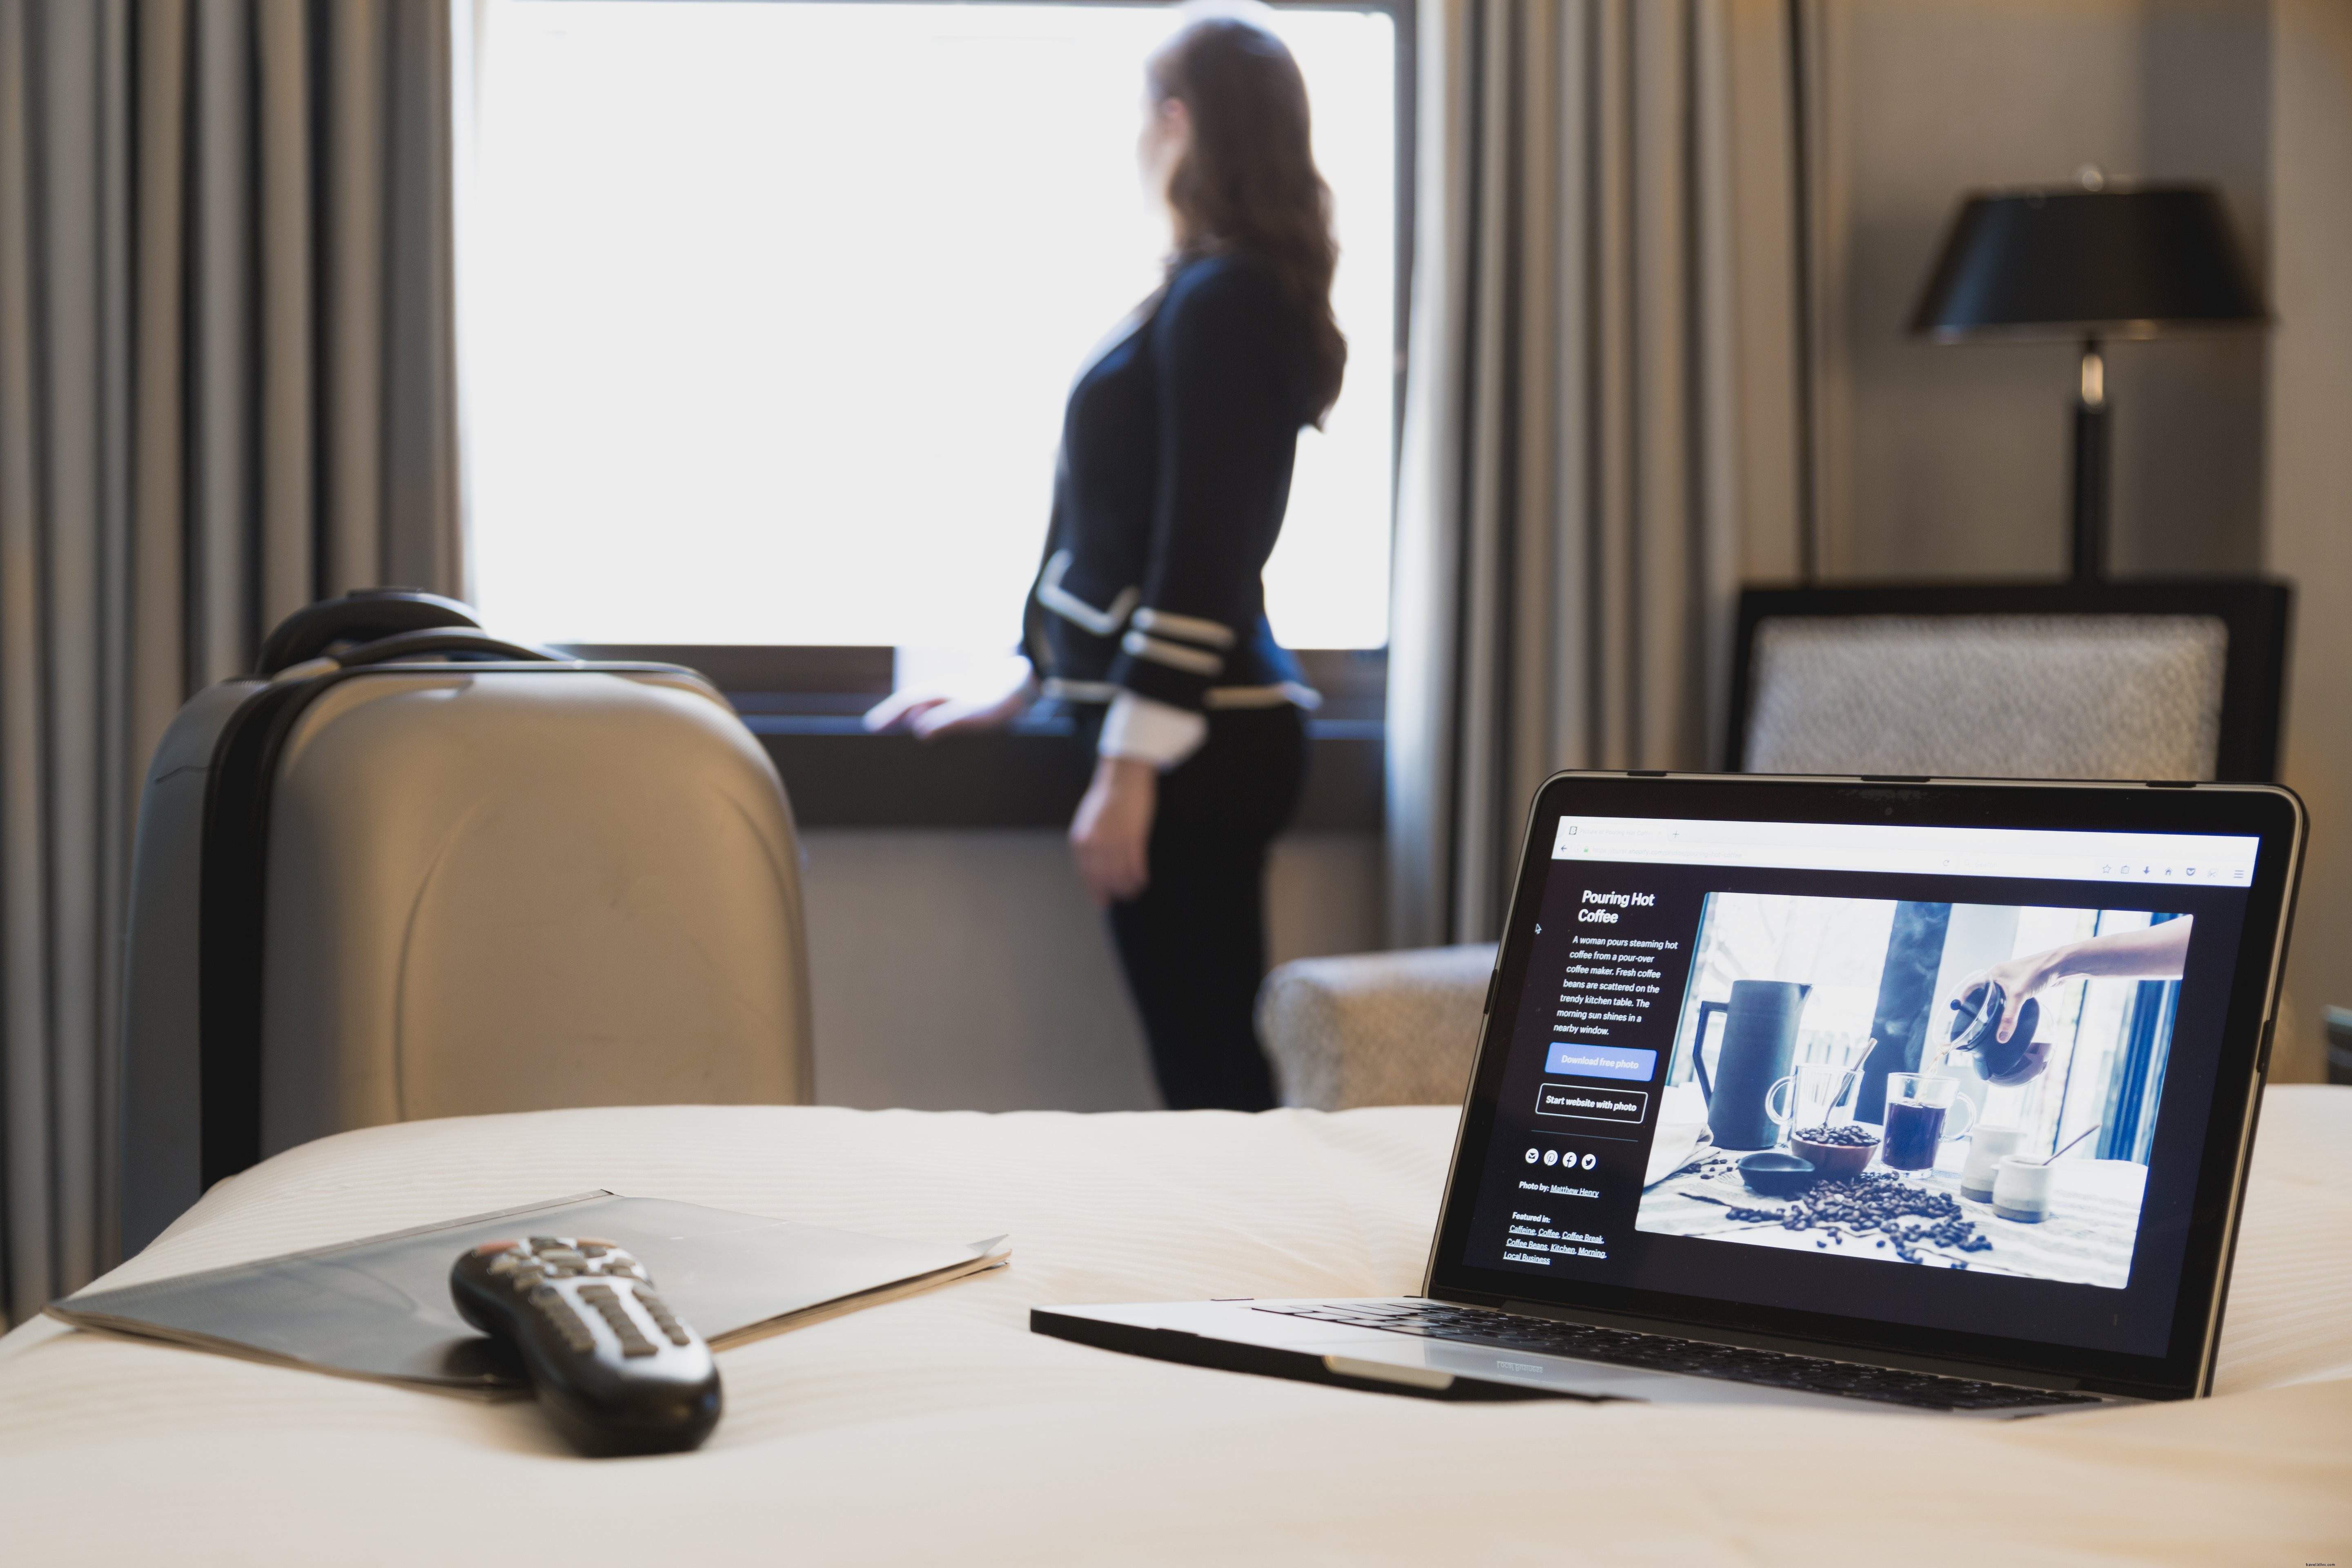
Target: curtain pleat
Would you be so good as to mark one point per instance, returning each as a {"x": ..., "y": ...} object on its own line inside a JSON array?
[
  {"x": 1574, "y": 478},
  {"x": 226, "y": 390}
]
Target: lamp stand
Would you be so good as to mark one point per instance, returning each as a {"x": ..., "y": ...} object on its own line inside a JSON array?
[{"x": 2091, "y": 467}]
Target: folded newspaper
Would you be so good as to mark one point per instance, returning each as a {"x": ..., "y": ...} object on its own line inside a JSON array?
[{"x": 380, "y": 1308}]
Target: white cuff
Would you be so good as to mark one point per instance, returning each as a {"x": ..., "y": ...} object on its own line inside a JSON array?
[{"x": 1143, "y": 730}]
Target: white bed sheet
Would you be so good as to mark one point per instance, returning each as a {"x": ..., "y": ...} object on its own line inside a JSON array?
[{"x": 941, "y": 1427}]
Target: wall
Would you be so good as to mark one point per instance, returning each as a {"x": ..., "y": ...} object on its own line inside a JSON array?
[
  {"x": 2232, "y": 451},
  {"x": 966, "y": 970},
  {"x": 1954, "y": 461},
  {"x": 2310, "y": 515}
]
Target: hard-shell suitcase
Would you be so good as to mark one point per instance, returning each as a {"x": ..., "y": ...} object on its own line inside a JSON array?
[{"x": 408, "y": 869}]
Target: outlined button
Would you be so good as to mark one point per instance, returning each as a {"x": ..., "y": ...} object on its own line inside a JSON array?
[{"x": 1584, "y": 1103}]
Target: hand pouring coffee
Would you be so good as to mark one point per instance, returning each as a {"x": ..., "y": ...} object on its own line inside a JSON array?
[{"x": 1976, "y": 1027}]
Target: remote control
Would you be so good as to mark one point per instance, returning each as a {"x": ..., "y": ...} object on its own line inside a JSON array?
[{"x": 614, "y": 1368}]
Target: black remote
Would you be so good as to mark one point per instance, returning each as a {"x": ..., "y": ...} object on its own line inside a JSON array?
[{"x": 614, "y": 1368}]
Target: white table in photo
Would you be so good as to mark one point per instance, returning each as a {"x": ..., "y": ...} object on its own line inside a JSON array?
[{"x": 2094, "y": 1218}]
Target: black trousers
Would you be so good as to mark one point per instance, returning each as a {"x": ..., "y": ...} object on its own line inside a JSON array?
[{"x": 1193, "y": 943}]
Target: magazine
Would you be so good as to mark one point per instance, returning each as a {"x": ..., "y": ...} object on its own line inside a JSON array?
[{"x": 380, "y": 1308}]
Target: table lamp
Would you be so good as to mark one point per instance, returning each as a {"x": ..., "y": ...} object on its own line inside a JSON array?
[{"x": 2090, "y": 263}]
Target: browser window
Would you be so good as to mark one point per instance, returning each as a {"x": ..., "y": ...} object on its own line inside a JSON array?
[{"x": 1942, "y": 1076}]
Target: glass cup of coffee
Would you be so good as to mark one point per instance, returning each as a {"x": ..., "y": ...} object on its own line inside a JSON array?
[{"x": 1918, "y": 1106}]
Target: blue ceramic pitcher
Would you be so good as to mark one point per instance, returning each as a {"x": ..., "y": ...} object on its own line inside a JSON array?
[{"x": 1759, "y": 1042}]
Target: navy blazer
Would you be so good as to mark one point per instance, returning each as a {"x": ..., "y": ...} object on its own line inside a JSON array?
[{"x": 1175, "y": 471}]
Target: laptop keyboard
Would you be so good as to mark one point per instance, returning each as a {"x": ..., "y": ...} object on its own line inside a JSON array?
[{"x": 1664, "y": 1352}]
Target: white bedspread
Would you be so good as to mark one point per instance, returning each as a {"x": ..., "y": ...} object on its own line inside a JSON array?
[{"x": 939, "y": 1427}]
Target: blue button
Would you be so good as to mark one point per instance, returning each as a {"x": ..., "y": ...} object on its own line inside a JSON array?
[{"x": 1601, "y": 1061}]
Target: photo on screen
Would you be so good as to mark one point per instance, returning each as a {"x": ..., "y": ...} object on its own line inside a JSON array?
[{"x": 1841, "y": 1082}]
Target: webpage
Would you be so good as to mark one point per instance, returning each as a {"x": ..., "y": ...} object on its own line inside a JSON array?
[{"x": 1942, "y": 1076}]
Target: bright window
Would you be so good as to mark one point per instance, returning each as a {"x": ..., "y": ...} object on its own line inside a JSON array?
[{"x": 769, "y": 310}]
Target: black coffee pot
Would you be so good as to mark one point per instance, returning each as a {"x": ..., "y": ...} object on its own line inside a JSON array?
[
  {"x": 1759, "y": 1042},
  {"x": 1976, "y": 1027}
]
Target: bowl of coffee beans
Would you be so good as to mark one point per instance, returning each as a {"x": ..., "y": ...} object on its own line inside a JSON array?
[{"x": 1837, "y": 1150}]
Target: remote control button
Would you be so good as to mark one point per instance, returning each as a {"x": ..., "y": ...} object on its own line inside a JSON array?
[
  {"x": 490, "y": 1246},
  {"x": 672, "y": 1330},
  {"x": 565, "y": 1322},
  {"x": 539, "y": 1243},
  {"x": 616, "y": 1317}
]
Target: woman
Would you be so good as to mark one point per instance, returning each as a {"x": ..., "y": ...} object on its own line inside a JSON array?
[{"x": 1148, "y": 615}]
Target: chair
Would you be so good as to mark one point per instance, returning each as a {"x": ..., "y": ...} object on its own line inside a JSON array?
[
  {"x": 2157, "y": 680},
  {"x": 1375, "y": 1029},
  {"x": 2152, "y": 680}
]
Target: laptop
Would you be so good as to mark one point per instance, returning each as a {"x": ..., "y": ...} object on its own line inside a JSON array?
[{"x": 1858, "y": 1093}]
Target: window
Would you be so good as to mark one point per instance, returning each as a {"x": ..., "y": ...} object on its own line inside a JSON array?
[{"x": 770, "y": 312}]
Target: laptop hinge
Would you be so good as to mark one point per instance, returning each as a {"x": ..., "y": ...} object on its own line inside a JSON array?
[{"x": 1708, "y": 1334}]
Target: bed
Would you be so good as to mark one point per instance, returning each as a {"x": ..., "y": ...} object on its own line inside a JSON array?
[{"x": 939, "y": 1427}]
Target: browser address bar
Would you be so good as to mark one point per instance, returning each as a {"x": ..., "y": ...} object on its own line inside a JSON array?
[{"x": 2181, "y": 859}]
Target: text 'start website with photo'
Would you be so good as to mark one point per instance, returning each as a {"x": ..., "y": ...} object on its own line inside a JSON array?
[{"x": 1948, "y": 1078}]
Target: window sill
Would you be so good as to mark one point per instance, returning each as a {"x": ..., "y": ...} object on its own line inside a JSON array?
[
  {"x": 806, "y": 706},
  {"x": 839, "y": 777}
]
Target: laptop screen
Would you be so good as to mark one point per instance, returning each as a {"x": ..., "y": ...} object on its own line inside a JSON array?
[{"x": 1949, "y": 1078}]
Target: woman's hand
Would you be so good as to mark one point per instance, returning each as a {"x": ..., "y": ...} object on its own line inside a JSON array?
[
  {"x": 927, "y": 714},
  {"x": 2021, "y": 978},
  {"x": 1112, "y": 831},
  {"x": 2151, "y": 952}
]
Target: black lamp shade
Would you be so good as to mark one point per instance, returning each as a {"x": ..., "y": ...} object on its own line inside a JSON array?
[{"x": 2069, "y": 263}]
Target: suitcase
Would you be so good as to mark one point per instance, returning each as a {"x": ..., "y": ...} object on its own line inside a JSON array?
[{"x": 408, "y": 869}]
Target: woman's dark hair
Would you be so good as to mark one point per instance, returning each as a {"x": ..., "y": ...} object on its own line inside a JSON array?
[{"x": 1247, "y": 181}]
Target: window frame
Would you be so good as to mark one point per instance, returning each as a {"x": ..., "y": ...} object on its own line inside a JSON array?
[{"x": 803, "y": 700}]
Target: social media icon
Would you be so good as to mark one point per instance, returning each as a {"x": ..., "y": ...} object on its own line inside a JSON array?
[
  {"x": 1591, "y": 1160},
  {"x": 1551, "y": 1156},
  {"x": 1533, "y": 1156}
]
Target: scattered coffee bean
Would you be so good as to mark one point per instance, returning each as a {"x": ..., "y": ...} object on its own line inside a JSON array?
[{"x": 1877, "y": 1201}]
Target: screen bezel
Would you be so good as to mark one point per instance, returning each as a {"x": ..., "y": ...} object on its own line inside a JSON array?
[{"x": 2270, "y": 812}]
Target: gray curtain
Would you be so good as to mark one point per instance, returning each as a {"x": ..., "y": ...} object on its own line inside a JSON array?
[
  {"x": 226, "y": 390},
  {"x": 1597, "y": 412}
]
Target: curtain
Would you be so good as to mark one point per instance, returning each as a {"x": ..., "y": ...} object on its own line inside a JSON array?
[
  {"x": 1598, "y": 412},
  {"x": 226, "y": 390}
]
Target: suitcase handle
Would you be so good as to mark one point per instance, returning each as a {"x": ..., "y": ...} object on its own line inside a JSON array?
[
  {"x": 359, "y": 617},
  {"x": 444, "y": 639}
]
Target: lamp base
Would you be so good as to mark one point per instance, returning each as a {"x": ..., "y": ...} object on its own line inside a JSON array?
[{"x": 2091, "y": 464}]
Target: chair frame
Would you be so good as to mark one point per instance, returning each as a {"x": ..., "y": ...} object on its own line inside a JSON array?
[{"x": 2255, "y": 611}]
